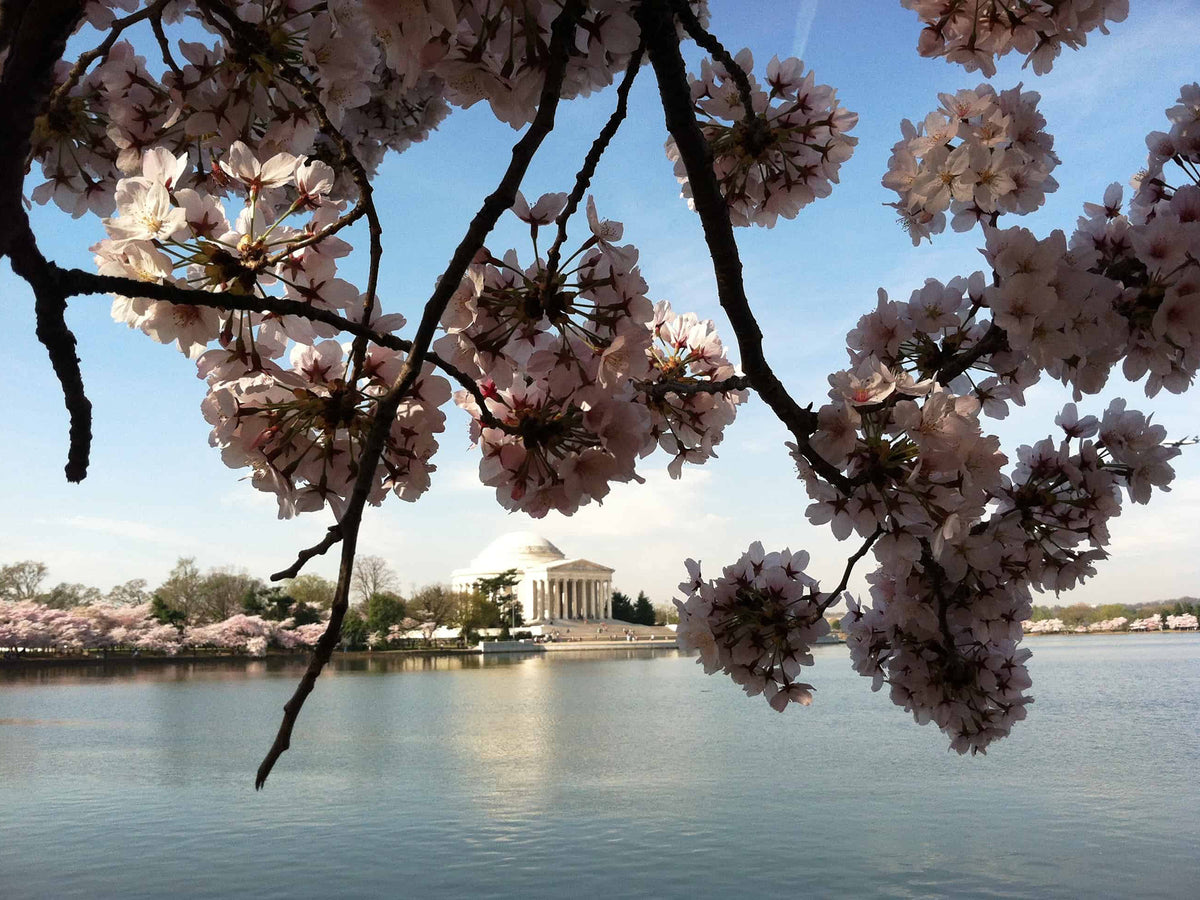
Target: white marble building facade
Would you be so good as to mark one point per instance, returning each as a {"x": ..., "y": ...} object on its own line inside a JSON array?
[{"x": 552, "y": 587}]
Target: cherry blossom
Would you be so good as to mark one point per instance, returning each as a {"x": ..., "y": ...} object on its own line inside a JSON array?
[{"x": 786, "y": 155}]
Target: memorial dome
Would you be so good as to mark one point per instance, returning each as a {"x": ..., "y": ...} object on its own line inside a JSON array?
[{"x": 519, "y": 550}]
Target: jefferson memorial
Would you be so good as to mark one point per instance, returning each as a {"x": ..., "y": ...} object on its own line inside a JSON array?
[{"x": 551, "y": 586}]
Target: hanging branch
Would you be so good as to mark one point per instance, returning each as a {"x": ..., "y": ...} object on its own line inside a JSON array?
[
  {"x": 34, "y": 40},
  {"x": 500, "y": 200},
  {"x": 662, "y": 42}
]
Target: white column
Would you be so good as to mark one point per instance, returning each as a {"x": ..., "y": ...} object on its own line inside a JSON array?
[
  {"x": 560, "y": 593},
  {"x": 592, "y": 598},
  {"x": 608, "y": 599},
  {"x": 533, "y": 600}
]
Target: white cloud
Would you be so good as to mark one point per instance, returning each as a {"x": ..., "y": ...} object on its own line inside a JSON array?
[{"x": 140, "y": 531}]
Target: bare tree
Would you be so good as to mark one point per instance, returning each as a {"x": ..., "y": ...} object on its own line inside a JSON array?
[
  {"x": 21, "y": 580},
  {"x": 372, "y": 575}
]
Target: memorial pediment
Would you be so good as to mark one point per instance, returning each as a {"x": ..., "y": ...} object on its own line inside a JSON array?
[{"x": 577, "y": 565}]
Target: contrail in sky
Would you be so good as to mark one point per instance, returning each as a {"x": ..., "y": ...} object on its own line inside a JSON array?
[{"x": 804, "y": 19}]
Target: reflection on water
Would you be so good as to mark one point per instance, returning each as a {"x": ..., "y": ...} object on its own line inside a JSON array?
[
  {"x": 625, "y": 773},
  {"x": 241, "y": 668}
]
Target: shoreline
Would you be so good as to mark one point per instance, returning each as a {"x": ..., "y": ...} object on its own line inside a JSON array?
[{"x": 37, "y": 661}]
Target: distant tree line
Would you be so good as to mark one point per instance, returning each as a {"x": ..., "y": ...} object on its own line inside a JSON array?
[
  {"x": 380, "y": 616},
  {"x": 1081, "y": 614}
]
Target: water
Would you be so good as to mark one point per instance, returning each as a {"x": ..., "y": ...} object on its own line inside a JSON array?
[{"x": 607, "y": 774}]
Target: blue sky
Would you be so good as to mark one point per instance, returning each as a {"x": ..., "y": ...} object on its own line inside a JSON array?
[{"x": 157, "y": 491}]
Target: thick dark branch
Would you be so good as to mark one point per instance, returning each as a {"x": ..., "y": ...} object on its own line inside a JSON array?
[
  {"x": 659, "y": 389},
  {"x": 658, "y": 31},
  {"x": 36, "y": 35},
  {"x": 584, "y": 178},
  {"x": 562, "y": 34},
  {"x": 994, "y": 340},
  {"x": 50, "y": 306},
  {"x": 34, "y": 39},
  {"x": 332, "y": 536}
]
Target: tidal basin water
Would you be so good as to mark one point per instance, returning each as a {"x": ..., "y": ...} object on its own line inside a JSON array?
[{"x": 610, "y": 775}]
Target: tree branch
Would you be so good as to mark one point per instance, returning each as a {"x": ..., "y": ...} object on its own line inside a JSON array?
[
  {"x": 851, "y": 562},
  {"x": 332, "y": 536},
  {"x": 708, "y": 41},
  {"x": 562, "y": 34},
  {"x": 659, "y": 389},
  {"x": 76, "y": 281},
  {"x": 50, "y": 307},
  {"x": 584, "y": 178},
  {"x": 662, "y": 41},
  {"x": 35, "y": 40}
]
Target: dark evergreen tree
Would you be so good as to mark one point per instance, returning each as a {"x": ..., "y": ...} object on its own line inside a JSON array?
[
  {"x": 643, "y": 610},
  {"x": 622, "y": 607}
]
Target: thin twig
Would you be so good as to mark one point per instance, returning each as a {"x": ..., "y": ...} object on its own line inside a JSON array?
[
  {"x": 851, "y": 562},
  {"x": 163, "y": 46},
  {"x": 102, "y": 49},
  {"x": 584, "y": 178}
]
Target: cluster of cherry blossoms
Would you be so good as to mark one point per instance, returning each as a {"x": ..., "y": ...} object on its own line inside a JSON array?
[
  {"x": 28, "y": 625},
  {"x": 234, "y": 170},
  {"x": 980, "y": 154},
  {"x": 1180, "y": 145},
  {"x": 385, "y": 74},
  {"x": 777, "y": 159},
  {"x": 961, "y": 540},
  {"x": 974, "y": 33},
  {"x": 567, "y": 354},
  {"x": 298, "y": 427},
  {"x": 757, "y": 623}
]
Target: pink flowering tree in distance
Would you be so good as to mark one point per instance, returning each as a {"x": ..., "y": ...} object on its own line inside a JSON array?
[{"x": 226, "y": 182}]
